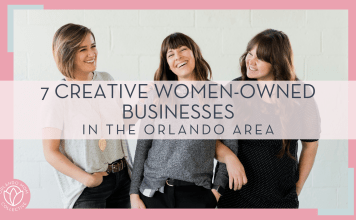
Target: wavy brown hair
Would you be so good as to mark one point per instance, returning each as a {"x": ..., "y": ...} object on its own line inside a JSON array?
[
  {"x": 66, "y": 42},
  {"x": 273, "y": 47},
  {"x": 202, "y": 69}
]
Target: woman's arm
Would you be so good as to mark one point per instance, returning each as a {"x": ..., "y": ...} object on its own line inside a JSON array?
[
  {"x": 141, "y": 154},
  {"x": 64, "y": 165},
  {"x": 235, "y": 170},
  {"x": 306, "y": 162}
]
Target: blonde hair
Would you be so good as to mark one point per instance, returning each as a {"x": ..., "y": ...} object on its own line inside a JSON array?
[{"x": 66, "y": 42}]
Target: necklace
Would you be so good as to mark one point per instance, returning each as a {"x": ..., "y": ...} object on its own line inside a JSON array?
[
  {"x": 102, "y": 141},
  {"x": 102, "y": 144}
]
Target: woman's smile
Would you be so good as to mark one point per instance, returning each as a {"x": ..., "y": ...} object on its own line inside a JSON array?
[
  {"x": 253, "y": 69},
  {"x": 86, "y": 57},
  {"x": 90, "y": 61},
  {"x": 256, "y": 68},
  {"x": 181, "y": 65},
  {"x": 181, "y": 62}
]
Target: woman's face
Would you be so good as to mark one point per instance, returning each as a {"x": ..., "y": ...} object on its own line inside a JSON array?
[
  {"x": 86, "y": 56},
  {"x": 256, "y": 68},
  {"x": 181, "y": 62}
]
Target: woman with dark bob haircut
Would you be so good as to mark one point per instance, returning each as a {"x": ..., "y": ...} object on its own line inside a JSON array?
[
  {"x": 275, "y": 178},
  {"x": 179, "y": 173},
  {"x": 90, "y": 173}
]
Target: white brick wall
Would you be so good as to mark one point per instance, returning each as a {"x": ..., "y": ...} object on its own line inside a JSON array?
[
  {"x": 129, "y": 42},
  {"x": 278, "y": 18},
  {"x": 334, "y": 41},
  {"x": 163, "y": 18},
  {"x": 321, "y": 19},
  {"x": 108, "y": 18},
  {"x": 225, "y": 18},
  {"x": 325, "y": 67}
]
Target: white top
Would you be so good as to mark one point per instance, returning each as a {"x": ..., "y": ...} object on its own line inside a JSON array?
[{"x": 84, "y": 153}]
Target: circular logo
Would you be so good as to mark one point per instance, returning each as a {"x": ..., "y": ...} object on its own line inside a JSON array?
[{"x": 16, "y": 195}]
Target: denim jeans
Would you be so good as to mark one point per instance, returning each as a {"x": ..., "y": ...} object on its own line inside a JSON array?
[{"x": 113, "y": 192}]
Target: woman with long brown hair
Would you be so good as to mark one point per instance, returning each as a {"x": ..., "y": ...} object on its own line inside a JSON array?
[
  {"x": 275, "y": 176},
  {"x": 177, "y": 173}
]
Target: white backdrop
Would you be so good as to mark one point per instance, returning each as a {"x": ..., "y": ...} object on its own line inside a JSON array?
[{"x": 129, "y": 43}]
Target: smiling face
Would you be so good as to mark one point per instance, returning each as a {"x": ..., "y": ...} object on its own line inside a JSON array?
[
  {"x": 86, "y": 56},
  {"x": 256, "y": 68},
  {"x": 181, "y": 62}
]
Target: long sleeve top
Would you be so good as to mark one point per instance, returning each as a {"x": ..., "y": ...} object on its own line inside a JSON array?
[{"x": 182, "y": 159}]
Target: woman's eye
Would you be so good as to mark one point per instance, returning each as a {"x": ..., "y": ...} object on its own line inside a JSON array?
[
  {"x": 93, "y": 46},
  {"x": 82, "y": 50},
  {"x": 170, "y": 55},
  {"x": 250, "y": 54},
  {"x": 183, "y": 49}
]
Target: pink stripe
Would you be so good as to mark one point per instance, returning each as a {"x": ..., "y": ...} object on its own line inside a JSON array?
[{"x": 6, "y": 156}]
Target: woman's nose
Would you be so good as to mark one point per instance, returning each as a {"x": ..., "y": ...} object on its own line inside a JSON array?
[
  {"x": 177, "y": 56},
  {"x": 252, "y": 61},
  {"x": 91, "y": 53}
]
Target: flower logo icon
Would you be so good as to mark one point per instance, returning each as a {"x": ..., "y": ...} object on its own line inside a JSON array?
[{"x": 13, "y": 195}]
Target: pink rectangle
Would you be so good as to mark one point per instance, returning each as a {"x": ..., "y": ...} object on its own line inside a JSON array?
[{"x": 7, "y": 109}]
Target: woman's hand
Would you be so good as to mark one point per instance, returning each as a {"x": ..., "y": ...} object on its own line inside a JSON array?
[
  {"x": 298, "y": 189},
  {"x": 63, "y": 164},
  {"x": 237, "y": 175},
  {"x": 95, "y": 179},
  {"x": 235, "y": 170},
  {"x": 136, "y": 202},
  {"x": 216, "y": 194}
]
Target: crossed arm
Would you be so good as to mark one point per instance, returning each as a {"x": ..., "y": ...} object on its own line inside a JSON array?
[{"x": 236, "y": 172}]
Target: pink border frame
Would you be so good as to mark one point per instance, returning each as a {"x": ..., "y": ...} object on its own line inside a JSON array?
[{"x": 6, "y": 156}]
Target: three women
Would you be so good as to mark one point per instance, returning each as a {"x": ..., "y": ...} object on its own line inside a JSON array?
[{"x": 178, "y": 173}]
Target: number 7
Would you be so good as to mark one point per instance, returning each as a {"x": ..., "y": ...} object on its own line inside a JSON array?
[{"x": 45, "y": 92}]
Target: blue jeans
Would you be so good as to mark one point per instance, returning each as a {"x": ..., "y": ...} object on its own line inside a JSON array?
[{"x": 113, "y": 192}]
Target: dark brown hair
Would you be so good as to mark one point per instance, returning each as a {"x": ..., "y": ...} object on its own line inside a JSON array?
[
  {"x": 202, "y": 69},
  {"x": 273, "y": 47},
  {"x": 66, "y": 42}
]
